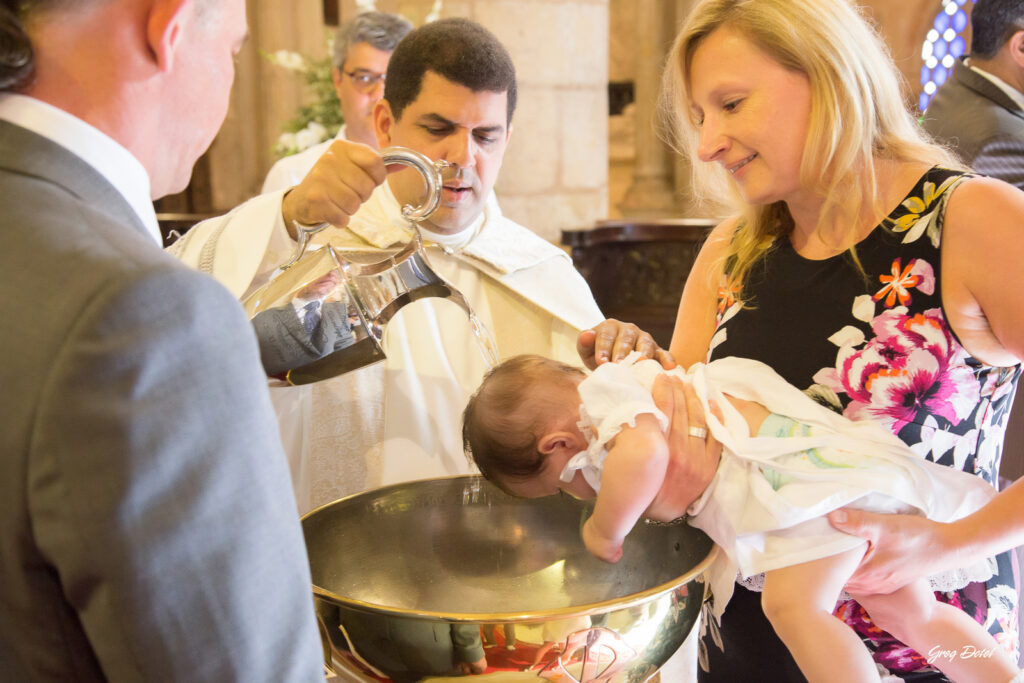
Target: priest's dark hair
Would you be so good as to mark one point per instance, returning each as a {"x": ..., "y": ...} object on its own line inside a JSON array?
[{"x": 458, "y": 49}]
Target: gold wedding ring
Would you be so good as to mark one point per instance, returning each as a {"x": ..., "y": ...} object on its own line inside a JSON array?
[{"x": 698, "y": 432}]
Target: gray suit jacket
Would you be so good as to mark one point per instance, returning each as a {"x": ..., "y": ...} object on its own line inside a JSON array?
[
  {"x": 284, "y": 343},
  {"x": 977, "y": 119},
  {"x": 147, "y": 527}
]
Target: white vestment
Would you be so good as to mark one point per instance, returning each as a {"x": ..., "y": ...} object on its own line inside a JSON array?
[
  {"x": 400, "y": 420},
  {"x": 290, "y": 170}
]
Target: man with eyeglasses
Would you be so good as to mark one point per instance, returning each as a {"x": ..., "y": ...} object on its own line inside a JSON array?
[{"x": 362, "y": 48}]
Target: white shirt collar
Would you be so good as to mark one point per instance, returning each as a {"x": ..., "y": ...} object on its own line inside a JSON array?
[
  {"x": 103, "y": 153},
  {"x": 1011, "y": 92}
]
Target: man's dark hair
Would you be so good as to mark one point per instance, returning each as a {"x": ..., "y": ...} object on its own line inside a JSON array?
[
  {"x": 461, "y": 51},
  {"x": 993, "y": 23},
  {"x": 17, "y": 58},
  {"x": 381, "y": 30}
]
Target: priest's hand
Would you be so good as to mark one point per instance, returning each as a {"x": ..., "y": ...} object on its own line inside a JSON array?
[
  {"x": 334, "y": 189},
  {"x": 612, "y": 340},
  {"x": 693, "y": 459}
]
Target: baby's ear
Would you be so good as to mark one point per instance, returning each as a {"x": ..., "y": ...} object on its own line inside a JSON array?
[{"x": 554, "y": 442}]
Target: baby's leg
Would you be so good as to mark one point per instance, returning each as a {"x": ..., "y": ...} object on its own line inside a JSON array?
[
  {"x": 799, "y": 601},
  {"x": 944, "y": 635}
]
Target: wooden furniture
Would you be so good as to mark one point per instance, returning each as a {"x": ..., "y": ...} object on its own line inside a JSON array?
[
  {"x": 636, "y": 268},
  {"x": 174, "y": 225}
]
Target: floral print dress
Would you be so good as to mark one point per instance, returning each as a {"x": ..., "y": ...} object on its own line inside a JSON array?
[{"x": 876, "y": 348}]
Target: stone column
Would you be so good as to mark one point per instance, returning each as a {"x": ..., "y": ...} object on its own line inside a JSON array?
[
  {"x": 651, "y": 194},
  {"x": 555, "y": 173}
]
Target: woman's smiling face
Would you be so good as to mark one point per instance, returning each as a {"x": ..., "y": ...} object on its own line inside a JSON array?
[{"x": 753, "y": 115}]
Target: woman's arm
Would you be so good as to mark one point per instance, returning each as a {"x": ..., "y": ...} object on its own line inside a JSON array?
[
  {"x": 982, "y": 244},
  {"x": 903, "y": 548},
  {"x": 693, "y": 461},
  {"x": 695, "y": 321},
  {"x": 633, "y": 473}
]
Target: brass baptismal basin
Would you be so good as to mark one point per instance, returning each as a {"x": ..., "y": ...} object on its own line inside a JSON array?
[{"x": 410, "y": 581}]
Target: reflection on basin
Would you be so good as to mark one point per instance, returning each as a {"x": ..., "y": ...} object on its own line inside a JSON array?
[{"x": 415, "y": 581}]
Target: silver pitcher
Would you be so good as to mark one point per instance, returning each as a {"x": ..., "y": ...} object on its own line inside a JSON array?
[{"x": 324, "y": 311}]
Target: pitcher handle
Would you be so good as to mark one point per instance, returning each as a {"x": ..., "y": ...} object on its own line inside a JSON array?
[{"x": 430, "y": 171}]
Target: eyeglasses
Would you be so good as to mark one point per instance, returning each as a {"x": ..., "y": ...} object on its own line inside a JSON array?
[{"x": 365, "y": 81}]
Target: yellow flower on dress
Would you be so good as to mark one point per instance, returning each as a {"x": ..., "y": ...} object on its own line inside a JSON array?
[{"x": 922, "y": 212}]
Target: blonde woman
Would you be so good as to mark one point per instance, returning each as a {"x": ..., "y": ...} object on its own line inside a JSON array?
[{"x": 865, "y": 266}]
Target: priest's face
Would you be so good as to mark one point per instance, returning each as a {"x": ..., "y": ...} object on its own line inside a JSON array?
[{"x": 467, "y": 129}]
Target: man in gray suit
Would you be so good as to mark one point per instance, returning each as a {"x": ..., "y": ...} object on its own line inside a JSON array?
[
  {"x": 305, "y": 329},
  {"x": 979, "y": 111},
  {"x": 147, "y": 526}
]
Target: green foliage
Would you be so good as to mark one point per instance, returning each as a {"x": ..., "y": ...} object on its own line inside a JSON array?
[
  {"x": 320, "y": 118},
  {"x": 324, "y": 108}
]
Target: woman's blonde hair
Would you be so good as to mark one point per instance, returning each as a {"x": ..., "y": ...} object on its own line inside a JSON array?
[{"x": 857, "y": 113}]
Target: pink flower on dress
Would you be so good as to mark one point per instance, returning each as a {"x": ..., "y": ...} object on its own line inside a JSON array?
[
  {"x": 911, "y": 366},
  {"x": 892, "y": 654}
]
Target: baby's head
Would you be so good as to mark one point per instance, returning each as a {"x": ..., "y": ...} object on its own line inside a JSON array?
[{"x": 508, "y": 424}]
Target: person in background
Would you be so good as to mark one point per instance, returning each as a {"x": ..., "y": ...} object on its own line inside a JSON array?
[
  {"x": 979, "y": 110},
  {"x": 450, "y": 93},
  {"x": 314, "y": 324},
  {"x": 147, "y": 525},
  {"x": 362, "y": 48},
  {"x": 861, "y": 265}
]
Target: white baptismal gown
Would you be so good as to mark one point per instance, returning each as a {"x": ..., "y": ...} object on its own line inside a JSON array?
[{"x": 767, "y": 503}]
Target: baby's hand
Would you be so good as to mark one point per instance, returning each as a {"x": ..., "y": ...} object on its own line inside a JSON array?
[{"x": 607, "y": 549}]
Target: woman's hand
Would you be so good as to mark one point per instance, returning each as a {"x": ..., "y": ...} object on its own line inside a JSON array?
[
  {"x": 692, "y": 460},
  {"x": 612, "y": 340},
  {"x": 602, "y": 547},
  {"x": 901, "y": 548}
]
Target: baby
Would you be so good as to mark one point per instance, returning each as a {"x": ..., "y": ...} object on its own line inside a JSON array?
[{"x": 536, "y": 426}]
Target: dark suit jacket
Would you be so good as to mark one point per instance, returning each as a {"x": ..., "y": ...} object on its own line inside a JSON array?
[
  {"x": 147, "y": 527},
  {"x": 284, "y": 343},
  {"x": 980, "y": 122}
]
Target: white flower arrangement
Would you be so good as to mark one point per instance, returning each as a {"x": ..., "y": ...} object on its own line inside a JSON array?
[{"x": 321, "y": 118}]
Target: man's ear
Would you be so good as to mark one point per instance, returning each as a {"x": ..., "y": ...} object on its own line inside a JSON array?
[
  {"x": 164, "y": 24},
  {"x": 383, "y": 123},
  {"x": 1017, "y": 49},
  {"x": 336, "y": 79}
]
